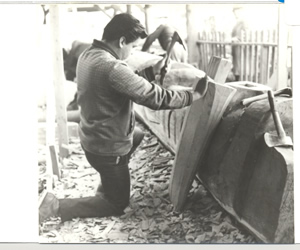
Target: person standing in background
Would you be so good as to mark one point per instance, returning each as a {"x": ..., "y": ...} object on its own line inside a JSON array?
[
  {"x": 236, "y": 37},
  {"x": 164, "y": 34}
]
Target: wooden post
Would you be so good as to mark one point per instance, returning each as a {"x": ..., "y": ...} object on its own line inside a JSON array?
[
  {"x": 251, "y": 57},
  {"x": 256, "y": 58},
  {"x": 192, "y": 34},
  {"x": 58, "y": 81},
  {"x": 55, "y": 167},
  {"x": 282, "y": 49},
  {"x": 146, "y": 11},
  {"x": 128, "y": 6},
  {"x": 263, "y": 60},
  {"x": 50, "y": 134},
  {"x": 205, "y": 54},
  {"x": 242, "y": 55}
]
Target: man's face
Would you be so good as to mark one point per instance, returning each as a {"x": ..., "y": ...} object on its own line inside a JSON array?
[{"x": 127, "y": 49}]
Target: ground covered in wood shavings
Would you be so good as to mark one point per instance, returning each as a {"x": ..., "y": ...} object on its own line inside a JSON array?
[{"x": 150, "y": 217}]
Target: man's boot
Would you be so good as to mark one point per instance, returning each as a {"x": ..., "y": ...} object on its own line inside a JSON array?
[{"x": 48, "y": 208}]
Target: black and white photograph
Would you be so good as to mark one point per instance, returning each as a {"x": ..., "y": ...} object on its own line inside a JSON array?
[{"x": 165, "y": 123}]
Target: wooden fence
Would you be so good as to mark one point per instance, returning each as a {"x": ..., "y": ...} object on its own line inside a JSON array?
[{"x": 258, "y": 53}]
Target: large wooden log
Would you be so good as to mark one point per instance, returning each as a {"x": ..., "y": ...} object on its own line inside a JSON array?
[
  {"x": 266, "y": 201},
  {"x": 241, "y": 177},
  {"x": 199, "y": 124}
]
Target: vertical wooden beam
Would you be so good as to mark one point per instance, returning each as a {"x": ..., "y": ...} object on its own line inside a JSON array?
[
  {"x": 146, "y": 11},
  {"x": 242, "y": 55},
  {"x": 263, "y": 60},
  {"x": 268, "y": 57},
  {"x": 256, "y": 57},
  {"x": 205, "y": 49},
  {"x": 50, "y": 133},
  {"x": 55, "y": 167},
  {"x": 251, "y": 57},
  {"x": 282, "y": 49},
  {"x": 192, "y": 34},
  {"x": 58, "y": 81},
  {"x": 129, "y": 10},
  {"x": 246, "y": 57}
]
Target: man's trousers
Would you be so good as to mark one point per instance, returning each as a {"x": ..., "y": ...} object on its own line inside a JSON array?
[{"x": 113, "y": 193}]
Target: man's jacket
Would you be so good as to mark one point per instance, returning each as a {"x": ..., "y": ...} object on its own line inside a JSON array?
[{"x": 107, "y": 88}]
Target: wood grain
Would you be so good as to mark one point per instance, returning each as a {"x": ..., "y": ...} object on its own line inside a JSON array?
[{"x": 199, "y": 124}]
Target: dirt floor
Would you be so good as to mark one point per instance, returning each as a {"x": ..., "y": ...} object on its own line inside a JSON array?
[{"x": 150, "y": 217}]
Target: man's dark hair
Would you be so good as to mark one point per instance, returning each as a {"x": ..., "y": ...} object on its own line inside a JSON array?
[{"x": 124, "y": 25}]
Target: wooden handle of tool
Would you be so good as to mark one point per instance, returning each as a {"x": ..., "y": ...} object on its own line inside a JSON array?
[
  {"x": 278, "y": 125},
  {"x": 202, "y": 86},
  {"x": 249, "y": 100},
  {"x": 163, "y": 70}
]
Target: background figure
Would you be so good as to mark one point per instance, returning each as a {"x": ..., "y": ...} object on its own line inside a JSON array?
[
  {"x": 164, "y": 35},
  {"x": 236, "y": 36},
  {"x": 71, "y": 59}
]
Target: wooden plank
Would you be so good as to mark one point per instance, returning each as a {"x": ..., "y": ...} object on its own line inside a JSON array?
[
  {"x": 205, "y": 46},
  {"x": 263, "y": 61},
  {"x": 211, "y": 46},
  {"x": 48, "y": 137},
  {"x": 273, "y": 54},
  {"x": 214, "y": 46},
  {"x": 58, "y": 80},
  {"x": 199, "y": 124},
  {"x": 54, "y": 161},
  {"x": 242, "y": 78},
  {"x": 223, "y": 48},
  {"x": 268, "y": 58},
  {"x": 219, "y": 69},
  {"x": 49, "y": 134},
  {"x": 252, "y": 58},
  {"x": 247, "y": 58},
  {"x": 213, "y": 64},
  {"x": 256, "y": 58}
]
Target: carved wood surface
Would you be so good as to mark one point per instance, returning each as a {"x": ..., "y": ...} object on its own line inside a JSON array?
[{"x": 199, "y": 124}]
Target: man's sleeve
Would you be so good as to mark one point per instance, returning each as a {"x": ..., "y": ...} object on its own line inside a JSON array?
[{"x": 143, "y": 92}]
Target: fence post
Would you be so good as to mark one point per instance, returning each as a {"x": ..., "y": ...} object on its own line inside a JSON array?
[
  {"x": 205, "y": 55},
  {"x": 201, "y": 52},
  {"x": 251, "y": 37},
  {"x": 256, "y": 61},
  {"x": 263, "y": 61},
  {"x": 242, "y": 78}
]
